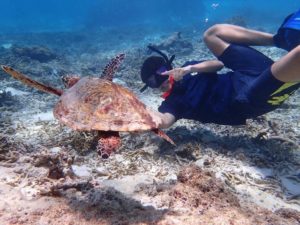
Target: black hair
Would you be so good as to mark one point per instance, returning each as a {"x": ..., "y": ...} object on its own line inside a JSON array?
[{"x": 150, "y": 67}]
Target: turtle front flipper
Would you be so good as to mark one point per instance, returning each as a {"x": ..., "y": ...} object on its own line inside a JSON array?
[
  {"x": 108, "y": 142},
  {"x": 112, "y": 66},
  {"x": 32, "y": 83},
  {"x": 164, "y": 136}
]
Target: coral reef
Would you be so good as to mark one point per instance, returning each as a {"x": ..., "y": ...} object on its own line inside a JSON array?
[
  {"x": 59, "y": 164},
  {"x": 6, "y": 99},
  {"x": 39, "y": 53}
]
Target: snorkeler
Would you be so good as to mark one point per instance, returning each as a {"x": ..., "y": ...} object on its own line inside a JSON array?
[{"x": 255, "y": 85}]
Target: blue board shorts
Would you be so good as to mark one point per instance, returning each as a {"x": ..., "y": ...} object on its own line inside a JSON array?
[{"x": 256, "y": 90}]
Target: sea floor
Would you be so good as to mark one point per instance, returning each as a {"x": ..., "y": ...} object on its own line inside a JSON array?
[{"x": 215, "y": 174}]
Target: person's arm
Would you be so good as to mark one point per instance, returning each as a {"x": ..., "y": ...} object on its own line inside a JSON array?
[
  {"x": 209, "y": 66},
  {"x": 162, "y": 120},
  {"x": 167, "y": 120}
]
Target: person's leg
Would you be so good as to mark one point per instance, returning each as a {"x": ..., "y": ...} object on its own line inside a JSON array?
[
  {"x": 274, "y": 85},
  {"x": 287, "y": 69},
  {"x": 244, "y": 59},
  {"x": 220, "y": 36}
]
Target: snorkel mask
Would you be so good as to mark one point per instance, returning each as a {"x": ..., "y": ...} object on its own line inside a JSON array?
[{"x": 153, "y": 67}]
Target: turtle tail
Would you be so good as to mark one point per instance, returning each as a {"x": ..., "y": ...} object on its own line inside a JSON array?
[{"x": 32, "y": 83}]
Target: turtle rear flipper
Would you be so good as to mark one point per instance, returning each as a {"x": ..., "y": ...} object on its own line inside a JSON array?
[
  {"x": 32, "y": 83},
  {"x": 164, "y": 136}
]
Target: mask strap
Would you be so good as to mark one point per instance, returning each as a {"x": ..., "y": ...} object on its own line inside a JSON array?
[
  {"x": 159, "y": 52},
  {"x": 168, "y": 61},
  {"x": 171, "y": 60}
]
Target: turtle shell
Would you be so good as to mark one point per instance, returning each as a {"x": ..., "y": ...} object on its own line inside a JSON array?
[{"x": 99, "y": 104}]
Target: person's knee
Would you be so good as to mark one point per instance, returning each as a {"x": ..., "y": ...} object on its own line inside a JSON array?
[
  {"x": 297, "y": 51},
  {"x": 286, "y": 69},
  {"x": 214, "y": 30}
]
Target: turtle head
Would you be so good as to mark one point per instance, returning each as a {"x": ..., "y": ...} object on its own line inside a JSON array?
[{"x": 70, "y": 80}]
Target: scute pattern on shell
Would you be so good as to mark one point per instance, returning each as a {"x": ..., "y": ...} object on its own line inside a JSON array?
[{"x": 98, "y": 104}]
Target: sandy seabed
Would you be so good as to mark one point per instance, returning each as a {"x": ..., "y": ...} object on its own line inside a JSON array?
[{"x": 50, "y": 174}]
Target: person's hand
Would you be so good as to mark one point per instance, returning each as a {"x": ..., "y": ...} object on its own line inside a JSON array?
[
  {"x": 156, "y": 118},
  {"x": 177, "y": 73}
]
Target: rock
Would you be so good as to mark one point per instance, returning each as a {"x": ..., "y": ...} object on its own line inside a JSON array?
[
  {"x": 102, "y": 171},
  {"x": 18, "y": 170},
  {"x": 81, "y": 171},
  {"x": 29, "y": 193},
  {"x": 208, "y": 138},
  {"x": 237, "y": 20},
  {"x": 6, "y": 98},
  {"x": 175, "y": 44},
  {"x": 289, "y": 213},
  {"x": 169, "y": 41},
  {"x": 56, "y": 172},
  {"x": 15, "y": 92},
  {"x": 203, "y": 162},
  {"x": 55, "y": 150},
  {"x": 7, "y": 45}
]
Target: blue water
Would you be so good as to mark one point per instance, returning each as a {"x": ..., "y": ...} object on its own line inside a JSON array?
[{"x": 71, "y": 15}]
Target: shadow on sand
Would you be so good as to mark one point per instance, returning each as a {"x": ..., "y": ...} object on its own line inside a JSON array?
[{"x": 109, "y": 206}]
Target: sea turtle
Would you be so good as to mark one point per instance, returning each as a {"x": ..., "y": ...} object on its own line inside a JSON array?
[{"x": 91, "y": 103}]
